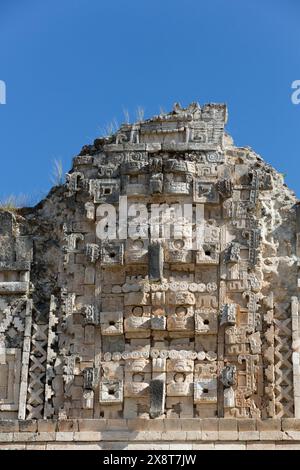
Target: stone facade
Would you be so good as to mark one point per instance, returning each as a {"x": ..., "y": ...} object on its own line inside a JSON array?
[{"x": 201, "y": 325}]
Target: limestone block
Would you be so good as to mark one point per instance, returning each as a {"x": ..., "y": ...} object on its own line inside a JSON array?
[
  {"x": 205, "y": 390},
  {"x": 139, "y": 387},
  {"x": 206, "y": 321},
  {"x": 136, "y": 251},
  {"x": 158, "y": 322},
  {"x": 136, "y": 298},
  {"x": 7, "y": 220},
  {"x": 205, "y": 192},
  {"x": 137, "y": 324},
  {"x": 111, "y": 323},
  {"x": 13, "y": 287},
  {"x": 111, "y": 254},
  {"x": 179, "y": 407},
  {"x": 179, "y": 384},
  {"x": 136, "y": 407},
  {"x": 181, "y": 298},
  {"x": 104, "y": 190}
]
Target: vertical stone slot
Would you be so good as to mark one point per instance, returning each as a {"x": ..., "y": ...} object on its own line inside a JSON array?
[{"x": 156, "y": 261}]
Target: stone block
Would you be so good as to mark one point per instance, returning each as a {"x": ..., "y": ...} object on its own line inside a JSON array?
[
  {"x": 29, "y": 425},
  {"x": 59, "y": 446},
  {"x": 45, "y": 436},
  {"x": 6, "y": 436},
  {"x": 228, "y": 429},
  {"x": 260, "y": 445},
  {"x": 139, "y": 424},
  {"x": 193, "y": 435},
  {"x": 67, "y": 425},
  {"x": 173, "y": 436},
  {"x": 172, "y": 424},
  {"x": 291, "y": 435},
  {"x": 203, "y": 446},
  {"x": 271, "y": 435},
  {"x": 230, "y": 446},
  {"x": 287, "y": 446},
  {"x": 146, "y": 436},
  {"x": 191, "y": 424},
  {"x": 36, "y": 446},
  {"x": 268, "y": 424},
  {"x": 210, "y": 429},
  {"x": 116, "y": 425},
  {"x": 290, "y": 424},
  {"x": 9, "y": 426},
  {"x": 210, "y": 435},
  {"x": 245, "y": 424},
  {"x": 154, "y": 425},
  {"x": 182, "y": 446},
  {"x": 249, "y": 436},
  {"x": 87, "y": 436},
  {"x": 117, "y": 436},
  {"x": 47, "y": 425},
  {"x": 228, "y": 424},
  {"x": 24, "y": 436},
  {"x": 64, "y": 436},
  {"x": 12, "y": 446},
  {"x": 92, "y": 424}
]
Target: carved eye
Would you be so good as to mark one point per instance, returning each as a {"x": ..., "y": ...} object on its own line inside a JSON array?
[
  {"x": 178, "y": 244},
  {"x": 179, "y": 378},
  {"x": 137, "y": 311},
  {"x": 138, "y": 244},
  {"x": 138, "y": 378}
]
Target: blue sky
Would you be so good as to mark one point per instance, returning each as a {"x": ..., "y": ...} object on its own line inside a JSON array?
[{"x": 71, "y": 66}]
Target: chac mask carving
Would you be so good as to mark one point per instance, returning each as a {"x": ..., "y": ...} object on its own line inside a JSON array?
[{"x": 153, "y": 325}]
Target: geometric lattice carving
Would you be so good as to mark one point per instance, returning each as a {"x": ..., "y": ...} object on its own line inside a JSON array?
[
  {"x": 51, "y": 357},
  {"x": 284, "y": 399},
  {"x": 37, "y": 371}
]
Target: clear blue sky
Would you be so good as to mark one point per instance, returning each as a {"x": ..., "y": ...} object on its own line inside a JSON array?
[{"x": 71, "y": 66}]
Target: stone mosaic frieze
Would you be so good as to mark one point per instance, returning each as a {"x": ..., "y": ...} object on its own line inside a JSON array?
[{"x": 175, "y": 315}]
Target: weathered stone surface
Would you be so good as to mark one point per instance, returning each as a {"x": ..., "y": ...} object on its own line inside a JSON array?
[{"x": 155, "y": 293}]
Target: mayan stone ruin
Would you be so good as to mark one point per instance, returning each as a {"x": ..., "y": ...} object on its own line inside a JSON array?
[{"x": 169, "y": 325}]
